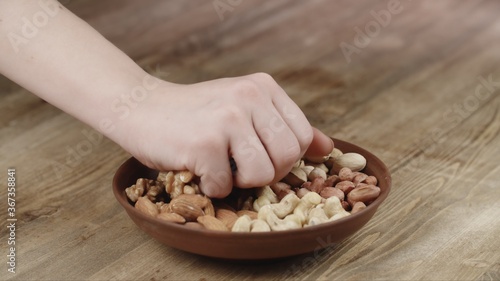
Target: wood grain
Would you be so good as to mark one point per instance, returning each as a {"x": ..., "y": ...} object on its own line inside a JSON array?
[{"x": 409, "y": 96}]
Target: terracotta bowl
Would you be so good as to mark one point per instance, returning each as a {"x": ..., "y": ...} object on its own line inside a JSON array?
[{"x": 251, "y": 246}]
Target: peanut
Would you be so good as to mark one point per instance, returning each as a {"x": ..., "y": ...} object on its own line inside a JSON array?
[
  {"x": 316, "y": 173},
  {"x": 302, "y": 191},
  {"x": 296, "y": 177},
  {"x": 317, "y": 185},
  {"x": 371, "y": 180},
  {"x": 346, "y": 174},
  {"x": 354, "y": 161},
  {"x": 281, "y": 189},
  {"x": 357, "y": 207},
  {"x": 328, "y": 192},
  {"x": 363, "y": 194},
  {"x": 345, "y": 186},
  {"x": 359, "y": 177}
]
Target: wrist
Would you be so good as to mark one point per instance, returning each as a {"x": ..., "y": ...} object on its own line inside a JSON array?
[{"x": 123, "y": 96}]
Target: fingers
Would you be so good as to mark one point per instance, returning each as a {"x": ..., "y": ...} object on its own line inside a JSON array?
[
  {"x": 282, "y": 145},
  {"x": 254, "y": 167},
  {"x": 212, "y": 165},
  {"x": 294, "y": 118},
  {"x": 320, "y": 146}
]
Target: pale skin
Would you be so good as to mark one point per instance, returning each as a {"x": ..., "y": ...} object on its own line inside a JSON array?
[{"x": 197, "y": 127}]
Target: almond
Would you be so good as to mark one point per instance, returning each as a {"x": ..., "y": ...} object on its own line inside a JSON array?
[
  {"x": 186, "y": 209},
  {"x": 212, "y": 223},
  {"x": 209, "y": 209},
  {"x": 227, "y": 217},
  {"x": 252, "y": 214},
  {"x": 196, "y": 199},
  {"x": 194, "y": 225},
  {"x": 171, "y": 217},
  {"x": 145, "y": 206}
]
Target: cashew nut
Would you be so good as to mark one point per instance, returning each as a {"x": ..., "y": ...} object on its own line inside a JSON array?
[
  {"x": 308, "y": 201},
  {"x": 293, "y": 218},
  {"x": 242, "y": 224},
  {"x": 333, "y": 208},
  {"x": 267, "y": 214},
  {"x": 266, "y": 196},
  {"x": 316, "y": 216},
  {"x": 286, "y": 206},
  {"x": 259, "y": 226}
]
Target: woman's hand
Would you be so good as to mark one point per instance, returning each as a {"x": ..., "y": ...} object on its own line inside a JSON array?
[
  {"x": 200, "y": 127},
  {"x": 172, "y": 127}
]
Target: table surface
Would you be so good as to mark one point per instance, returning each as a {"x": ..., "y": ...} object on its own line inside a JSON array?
[{"x": 416, "y": 83}]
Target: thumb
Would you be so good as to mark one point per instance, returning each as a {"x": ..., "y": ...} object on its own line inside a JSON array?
[{"x": 320, "y": 147}]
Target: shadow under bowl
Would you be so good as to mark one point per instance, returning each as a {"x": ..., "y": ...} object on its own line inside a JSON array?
[{"x": 251, "y": 246}]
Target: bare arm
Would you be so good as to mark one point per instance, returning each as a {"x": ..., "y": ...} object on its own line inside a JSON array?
[
  {"x": 196, "y": 127},
  {"x": 64, "y": 61}
]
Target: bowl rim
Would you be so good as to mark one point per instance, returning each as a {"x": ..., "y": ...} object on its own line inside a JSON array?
[{"x": 122, "y": 199}]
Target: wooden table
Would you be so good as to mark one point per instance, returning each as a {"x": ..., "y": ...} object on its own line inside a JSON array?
[{"x": 417, "y": 83}]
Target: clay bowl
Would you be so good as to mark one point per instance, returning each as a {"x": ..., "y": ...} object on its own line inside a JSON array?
[{"x": 251, "y": 246}]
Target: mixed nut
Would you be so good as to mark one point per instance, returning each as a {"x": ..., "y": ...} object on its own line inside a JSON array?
[{"x": 315, "y": 191}]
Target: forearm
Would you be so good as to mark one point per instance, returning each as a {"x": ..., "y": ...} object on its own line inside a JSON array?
[
  {"x": 196, "y": 127},
  {"x": 65, "y": 61}
]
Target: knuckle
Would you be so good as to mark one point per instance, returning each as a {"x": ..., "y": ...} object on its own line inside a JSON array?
[
  {"x": 263, "y": 76},
  {"x": 230, "y": 114},
  {"x": 248, "y": 89},
  {"x": 207, "y": 142}
]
